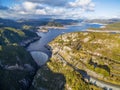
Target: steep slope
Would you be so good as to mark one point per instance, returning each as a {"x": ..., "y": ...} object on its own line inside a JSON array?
[
  {"x": 63, "y": 71},
  {"x": 16, "y": 64},
  {"x": 95, "y": 53}
]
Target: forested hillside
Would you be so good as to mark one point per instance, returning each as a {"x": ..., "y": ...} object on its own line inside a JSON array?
[{"x": 16, "y": 64}]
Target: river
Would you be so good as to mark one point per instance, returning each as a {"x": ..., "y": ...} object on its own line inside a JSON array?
[
  {"x": 52, "y": 33},
  {"x": 38, "y": 48},
  {"x": 41, "y": 54}
]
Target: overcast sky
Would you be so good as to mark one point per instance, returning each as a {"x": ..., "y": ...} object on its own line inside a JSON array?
[{"x": 75, "y": 9}]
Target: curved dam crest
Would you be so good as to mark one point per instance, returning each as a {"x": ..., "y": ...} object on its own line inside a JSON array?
[
  {"x": 41, "y": 54},
  {"x": 39, "y": 57}
]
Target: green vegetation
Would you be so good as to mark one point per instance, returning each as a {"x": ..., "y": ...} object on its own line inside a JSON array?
[
  {"x": 101, "y": 69},
  {"x": 27, "y": 27},
  {"x": 95, "y": 53},
  {"x": 73, "y": 79},
  {"x": 9, "y": 79},
  {"x": 9, "y": 55},
  {"x": 59, "y": 76},
  {"x": 10, "y": 35},
  {"x": 13, "y": 60},
  {"x": 54, "y": 24},
  {"x": 16, "y": 64}
]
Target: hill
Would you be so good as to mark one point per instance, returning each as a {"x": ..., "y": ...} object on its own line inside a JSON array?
[
  {"x": 78, "y": 57},
  {"x": 91, "y": 49},
  {"x": 17, "y": 67},
  {"x": 109, "y": 27}
]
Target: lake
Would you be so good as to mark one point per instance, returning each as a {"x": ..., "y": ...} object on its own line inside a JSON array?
[
  {"x": 52, "y": 33},
  {"x": 41, "y": 54}
]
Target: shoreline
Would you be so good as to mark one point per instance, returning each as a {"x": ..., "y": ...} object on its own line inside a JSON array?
[
  {"x": 106, "y": 31},
  {"x": 100, "y": 82},
  {"x": 91, "y": 78},
  {"x": 26, "y": 43},
  {"x": 53, "y": 27}
]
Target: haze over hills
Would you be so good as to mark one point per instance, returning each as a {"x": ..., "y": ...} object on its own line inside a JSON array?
[
  {"x": 15, "y": 35},
  {"x": 14, "y": 59},
  {"x": 34, "y": 22},
  {"x": 39, "y": 22},
  {"x": 59, "y": 45},
  {"x": 104, "y": 21}
]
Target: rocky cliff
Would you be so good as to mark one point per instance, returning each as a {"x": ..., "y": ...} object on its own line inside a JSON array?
[
  {"x": 65, "y": 70},
  {"x": 17, "y": 67}
]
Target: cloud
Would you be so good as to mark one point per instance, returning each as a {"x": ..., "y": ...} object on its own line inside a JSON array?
[
  {"x": 78, "y": 3},
  {"x": 29, "y": 5},
  {"x": 57, "y": 3},
  {"x": 51, "y": 8},
  {"x": 41, "y": 12},
  {"x": 83, "y": 4}
]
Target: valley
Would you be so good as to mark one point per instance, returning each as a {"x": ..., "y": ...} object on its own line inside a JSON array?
[{"x": 77, "y": 58}]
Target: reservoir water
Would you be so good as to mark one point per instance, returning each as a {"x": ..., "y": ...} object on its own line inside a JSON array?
[
  {"x": 52, "y": 33},
  {"x": 40, "y": 52}
]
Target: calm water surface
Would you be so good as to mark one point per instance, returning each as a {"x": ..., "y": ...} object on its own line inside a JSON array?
[
  {"x": 37, "y": 49},
  {"x": 49, "y": 36}
]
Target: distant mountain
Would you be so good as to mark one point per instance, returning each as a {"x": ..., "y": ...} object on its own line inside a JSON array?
[
  {"x": 34, "y": 22},
  {"x": 104, "y": 21},
  {"x": 44, "y": 21},
  {"x": 67, "y": 21},
  {"x": 9, "y": 23}
]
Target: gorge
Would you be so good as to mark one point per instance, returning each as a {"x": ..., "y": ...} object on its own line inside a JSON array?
[{"x": 39, "y": 46}]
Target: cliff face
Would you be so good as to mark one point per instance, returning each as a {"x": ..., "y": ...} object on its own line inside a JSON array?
[
  {"x": 57, "y": 75},
  {"x": 95, "y": 53},
  {"x": 77, "y": 59},
  {"x": 65, "y": 68},
  {"x": 17, "y": 67}
]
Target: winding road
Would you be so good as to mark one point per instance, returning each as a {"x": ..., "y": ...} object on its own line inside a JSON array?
[
  {"x": 91, "y": 79},
  {"x": 40, "y": 52}
]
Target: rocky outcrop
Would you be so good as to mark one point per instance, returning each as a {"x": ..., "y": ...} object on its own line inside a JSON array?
[
  {"x": 78, "y": 51},
  {"x": 17, "y": 68},
  {"x": 59, "y": 73}
]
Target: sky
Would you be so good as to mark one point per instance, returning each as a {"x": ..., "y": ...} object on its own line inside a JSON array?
[{"x": 74, "y": 9}]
